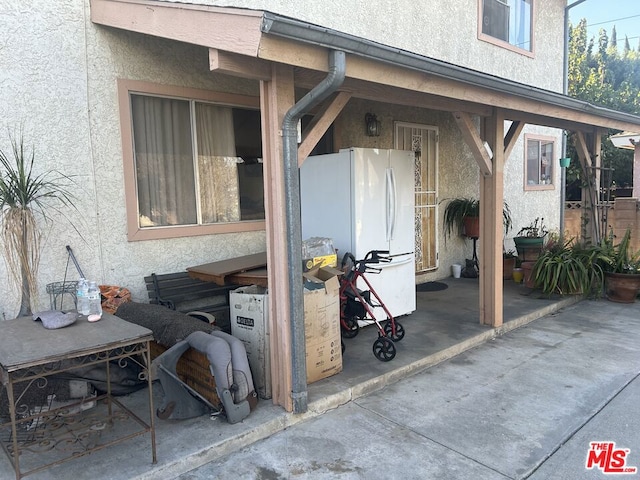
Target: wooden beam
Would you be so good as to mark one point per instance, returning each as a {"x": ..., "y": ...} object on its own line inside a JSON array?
[
  {"x": 314, "y": 57},
  {"x": 583, "y": 150},
  {"x": 238, "y": 65},
  {"x": 473, "y": 140},
  {"x": 491, "y": 226},
  {"x": 393, "y": 95},
  {"x": 234, "y": 30},
  {"x": 511, "y": 137},
  {"x": 320, "y": 124},
  {"x": 277, "y": 97}
]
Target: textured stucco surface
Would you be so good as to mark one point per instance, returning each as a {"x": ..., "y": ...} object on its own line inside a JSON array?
[
  {"x": 446, "y": 30},
  {"x": 58, "y": 79}
]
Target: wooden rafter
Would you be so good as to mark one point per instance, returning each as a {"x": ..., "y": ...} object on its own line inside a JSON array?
[
  {"x": 472, "y": 137},
  {"x": 320, "y": 124},
  {"x": 511, "y": 138},
  {"x": 238, "y": 65}
]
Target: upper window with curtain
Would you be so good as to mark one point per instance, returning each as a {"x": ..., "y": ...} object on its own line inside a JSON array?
[
  {"x": 507, "y": 23},
  {"x": 197, "y": 167},
  {"x": 538, "y": 162}
]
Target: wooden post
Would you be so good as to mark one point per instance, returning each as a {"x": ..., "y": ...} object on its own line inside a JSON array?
[
  {"x": 491, "y": 229},
  {"x": 276, "y": 98}
]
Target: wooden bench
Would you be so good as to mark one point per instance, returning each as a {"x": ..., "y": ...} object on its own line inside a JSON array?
[{"x": 178, "y": 291}]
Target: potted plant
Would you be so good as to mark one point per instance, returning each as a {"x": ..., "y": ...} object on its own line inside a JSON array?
[
  {"x": 530, "y": 240},
  {"x": 621, "y": 267},
  {"x": 569, "y": 268},
  {"x": 26, "y": 198},
  {"x": 462, "y": 215}
]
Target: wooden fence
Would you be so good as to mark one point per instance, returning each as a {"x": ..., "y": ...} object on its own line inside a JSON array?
[{"x": 621, "y": 214}]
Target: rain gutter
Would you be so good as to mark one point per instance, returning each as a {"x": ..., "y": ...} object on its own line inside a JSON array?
[
  {"x": 313, "y": 34},
  {"x": 335, "y": 77}
]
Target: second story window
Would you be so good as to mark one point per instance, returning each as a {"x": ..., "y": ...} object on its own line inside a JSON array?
[
  {"x": 538, "y": 162},
  {"x": 508, "y": 21}
]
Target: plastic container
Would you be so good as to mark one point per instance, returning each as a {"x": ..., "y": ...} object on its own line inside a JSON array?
[
  {"x": 95, "y": 301},
  {"x": 456, "y": 269},
  {"x": 82, "y": 297}
]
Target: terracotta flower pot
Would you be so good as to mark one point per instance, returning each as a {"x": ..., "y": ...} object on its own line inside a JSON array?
[
  {"x": 622, "y": 287},
  {"x": 472, "y": 227},
  {"x": 508, "y": 265},
  {"x": 527, "y": 269}
]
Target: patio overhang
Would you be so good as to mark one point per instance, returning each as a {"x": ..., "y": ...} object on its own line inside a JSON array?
[{"x": 283, "y": 53}]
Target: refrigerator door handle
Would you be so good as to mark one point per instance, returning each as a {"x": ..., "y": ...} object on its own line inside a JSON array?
[{"x": 391, "y": 203}]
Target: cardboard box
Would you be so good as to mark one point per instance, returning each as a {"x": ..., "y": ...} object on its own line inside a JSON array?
[
  {"x": 249, "y": 316},
  {"x": 322, "y": 323}
]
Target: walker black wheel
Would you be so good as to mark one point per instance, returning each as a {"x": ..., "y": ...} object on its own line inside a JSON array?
[
  {"x": 388, "y": 331},
  {"x": 384, "y": 349},
  {"x": 349, "y": 327}
]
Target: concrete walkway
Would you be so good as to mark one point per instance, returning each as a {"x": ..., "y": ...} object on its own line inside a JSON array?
[
  {"x": 444, "y": 325},
  {"x": 523, "y": 405}
]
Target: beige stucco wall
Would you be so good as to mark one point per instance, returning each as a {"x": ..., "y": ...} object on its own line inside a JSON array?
[
  {"x": 59, "y": 81},
  {"x": 445, "y": 30}
]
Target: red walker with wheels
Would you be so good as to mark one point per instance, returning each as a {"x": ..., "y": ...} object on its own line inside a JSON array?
[{"x": 356, "y": 304}]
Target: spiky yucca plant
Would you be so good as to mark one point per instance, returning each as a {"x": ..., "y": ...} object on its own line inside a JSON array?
[{"x": 26, "y": 198}]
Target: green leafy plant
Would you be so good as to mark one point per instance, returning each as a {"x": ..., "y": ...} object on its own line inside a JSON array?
[
  {"x": 458, "y": 209},
  {"x": 569, "y": 268},
  {"x": 618, "y": 258},
  {"x": 535, "y": 229},
  {"x": 26, "y": 198}
]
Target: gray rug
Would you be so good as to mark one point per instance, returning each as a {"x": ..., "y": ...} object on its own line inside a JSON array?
[{"x": 431, "y": 287}]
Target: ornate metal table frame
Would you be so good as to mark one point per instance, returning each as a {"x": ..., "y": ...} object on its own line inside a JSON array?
[{"x": 69, "y": 426}]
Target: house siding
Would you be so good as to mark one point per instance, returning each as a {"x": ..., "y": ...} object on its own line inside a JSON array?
[
  {"x": 58, "y": 82},
  {"x": 445, "y": 30}
]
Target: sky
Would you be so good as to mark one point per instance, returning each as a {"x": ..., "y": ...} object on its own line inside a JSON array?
[{"x": 623, "y": 14}]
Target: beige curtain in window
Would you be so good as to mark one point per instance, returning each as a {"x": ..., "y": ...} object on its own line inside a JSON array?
[
  {"x": 217, "y": 164},
  {"x": 164, "y": 161}
]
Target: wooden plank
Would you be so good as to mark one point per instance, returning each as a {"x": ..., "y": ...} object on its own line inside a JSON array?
[
  {"x": 238, "y": 65},
  {"x": 234, "y": 30},
  {"x": 257, "y": 276},
  {"x": 217, "y": 271},
  {"x": 398, "y": 96}
]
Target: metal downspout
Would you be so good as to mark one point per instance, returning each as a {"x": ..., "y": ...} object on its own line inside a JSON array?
[{"x": 335, "y": 77}]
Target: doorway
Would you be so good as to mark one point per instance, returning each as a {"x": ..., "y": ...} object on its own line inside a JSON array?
[{"x": 423, "y": 141}]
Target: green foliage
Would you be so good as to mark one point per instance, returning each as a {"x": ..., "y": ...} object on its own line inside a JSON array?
[
  {"x": 458, "y": 209},
  {"x": 26, "y": 200},
  {"x": 618, "y": 258},
  {"x": 607, "y": 78},
  {"x": 535, "y": 229},
  {"x": 569, "y": 268}
]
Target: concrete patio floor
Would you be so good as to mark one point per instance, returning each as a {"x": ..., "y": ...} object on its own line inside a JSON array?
[{"x": 445, "y": 324}]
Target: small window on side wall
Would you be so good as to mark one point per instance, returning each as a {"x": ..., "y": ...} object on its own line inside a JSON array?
[
  {"x": 507, "y": 23},
  {"x": 538, "y": 163}
]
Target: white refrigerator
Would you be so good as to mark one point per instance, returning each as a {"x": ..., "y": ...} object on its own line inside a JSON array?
[{"x": 363, "y": 199}]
